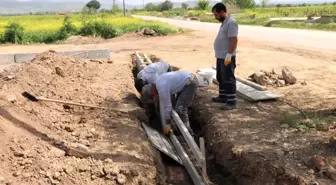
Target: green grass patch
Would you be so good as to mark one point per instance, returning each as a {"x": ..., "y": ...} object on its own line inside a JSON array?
[
  {"x": 51, "y": 28},
  {"x": 319, "y": 122}
]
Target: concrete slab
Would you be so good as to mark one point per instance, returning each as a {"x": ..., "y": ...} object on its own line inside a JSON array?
[
  {"x": 7, "y": 59},
  {"x": 192, "y": 171},
  {"x": 24, "y": 57},
  {"x": 252, "y": 94},
  {"x": 99, "y": 53},
  {"x": 161, "y": 142},
  {"x": 189, "y": 139},
  {"x": 77, "y": 54}
]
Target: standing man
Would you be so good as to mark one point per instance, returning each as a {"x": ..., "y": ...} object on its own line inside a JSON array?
[
  {"x": 184, "y": 84},
  {"x": 146, "y": 79},
  {"x": 225, "y": 51}
]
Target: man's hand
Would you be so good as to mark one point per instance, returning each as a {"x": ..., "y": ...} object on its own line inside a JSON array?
[
  {"x": 227, "y": 60},
  {"x": 167, "y": 128}
]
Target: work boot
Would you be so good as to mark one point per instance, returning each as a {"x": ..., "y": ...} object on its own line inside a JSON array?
[
  {"x": 218, "y": 100},
  {"x": 228, "y": 107}
]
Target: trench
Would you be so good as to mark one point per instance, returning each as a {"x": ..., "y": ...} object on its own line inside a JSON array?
[
  {"x": 176, "y": 174},
  {"x": 217, "y": 173}
]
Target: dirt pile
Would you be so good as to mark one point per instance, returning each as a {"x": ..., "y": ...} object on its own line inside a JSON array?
[
  {"x": 117, "y": 150},
  {"x": 271, "y": 78}
]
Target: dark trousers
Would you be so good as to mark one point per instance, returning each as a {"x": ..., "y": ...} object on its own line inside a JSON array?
[
  {"x": 184, "y": 99},
  {"x": 227, "y": 80}
]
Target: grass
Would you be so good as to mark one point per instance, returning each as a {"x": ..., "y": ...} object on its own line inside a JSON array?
[
  {"x": 292, "y": 11},
  {"x": 261, "y": 16},
  {"x": 46, "y": 28},
  {"x": 315, "y": 121}
]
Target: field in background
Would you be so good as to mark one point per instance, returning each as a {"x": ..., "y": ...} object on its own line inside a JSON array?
[
  {"x": 48, "y": 28},
  {"x": 261, "y": 16}
]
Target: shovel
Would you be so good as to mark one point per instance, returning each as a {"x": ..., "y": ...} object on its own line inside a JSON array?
[{"x": 36, "y": 99}]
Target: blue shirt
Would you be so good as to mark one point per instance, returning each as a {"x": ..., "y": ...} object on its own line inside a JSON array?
[
  {"x": 168, "y": 84},
  {"x": 150, "y": 73}
]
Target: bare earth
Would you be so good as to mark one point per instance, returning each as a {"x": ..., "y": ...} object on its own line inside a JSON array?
[{"x": 251, "y": 143}]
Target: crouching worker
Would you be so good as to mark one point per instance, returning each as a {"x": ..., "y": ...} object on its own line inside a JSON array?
[
  {"x": 184, "y": 85},
  {"x": 145, "y": 82}
]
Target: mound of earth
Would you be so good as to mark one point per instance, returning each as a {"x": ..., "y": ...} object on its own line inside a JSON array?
[{"x": 112, "y": 147}]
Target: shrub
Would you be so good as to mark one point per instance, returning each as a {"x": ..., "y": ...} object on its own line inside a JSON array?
[
  {"x": 102, "y": 29},
  {"x": 68, "y": 27},
  {"x": 14, "y": 33},
  {"x": 203, "y": 4}
]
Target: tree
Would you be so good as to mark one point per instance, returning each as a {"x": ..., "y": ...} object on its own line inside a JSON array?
[
  {"x": 116, "y": 8},
  {"x": 279, "y": 5},
  {"x": 226, "y": 2},
  {"x": 150, "y": 7},
  {"x": 334, "y": 3},
  {"x": 245, "y": 3},
  {"x": 203, "y": 4},
  {"x": 264, "y": 3},
  {"x": 158, "y": 7},
  {"x": 185, "y": 6},
  {"x": 93, "y": 4},
  {"x": 167, "y": 5}
]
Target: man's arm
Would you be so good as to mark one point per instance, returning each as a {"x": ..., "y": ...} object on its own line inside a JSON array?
[
  {"x": 233, "y": 35},
  {"x": 233, "y": 44},
  {"x": 164, "y": 97}
]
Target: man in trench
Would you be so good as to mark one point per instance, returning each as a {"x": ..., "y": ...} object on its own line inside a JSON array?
[
  {"x": 184, "y": 85},
  {"x": 225, "y": 47},
  {"x": 146, "y": 79}
]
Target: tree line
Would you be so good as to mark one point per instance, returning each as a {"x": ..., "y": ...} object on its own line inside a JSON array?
[{"x": 205, "y": 5}]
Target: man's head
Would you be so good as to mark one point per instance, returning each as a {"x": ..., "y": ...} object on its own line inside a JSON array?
[
  {"x": 139, "y": 83},
  {"x": 220, "y": 12}
]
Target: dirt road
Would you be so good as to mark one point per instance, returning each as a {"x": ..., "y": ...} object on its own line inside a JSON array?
[{"x": 307, "y": 38}]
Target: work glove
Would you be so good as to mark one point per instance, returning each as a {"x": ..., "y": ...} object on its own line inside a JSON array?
[
  {"x": 167, "y": 128},
  {"x": 227, "y": 60}
]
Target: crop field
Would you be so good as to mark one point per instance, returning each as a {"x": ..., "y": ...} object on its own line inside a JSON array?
[
  {"x": 50, "y": 28},
  {"x": 261, "y": 16}
]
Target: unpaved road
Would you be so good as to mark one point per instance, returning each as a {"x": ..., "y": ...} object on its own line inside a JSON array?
[{"x": 306, "y": 38}]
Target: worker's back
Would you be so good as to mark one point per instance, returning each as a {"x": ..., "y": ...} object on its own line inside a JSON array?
[{"x": 172, "y": 82}]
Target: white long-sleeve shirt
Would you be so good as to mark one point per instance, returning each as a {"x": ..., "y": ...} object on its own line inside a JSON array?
[
  {"x": 168, "y": 84},
  {"x": 151, "y": 72}
]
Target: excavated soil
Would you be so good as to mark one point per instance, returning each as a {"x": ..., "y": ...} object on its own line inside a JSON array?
[
  {"x": 256, "y": 144},
  {"x": 118, "y": 150}
]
